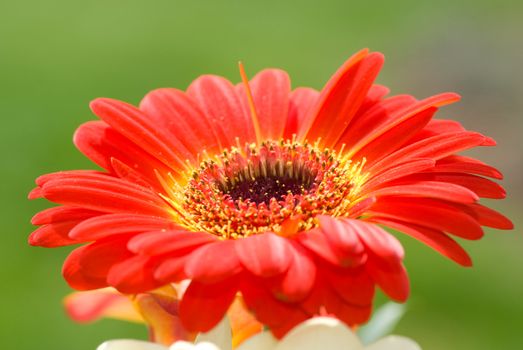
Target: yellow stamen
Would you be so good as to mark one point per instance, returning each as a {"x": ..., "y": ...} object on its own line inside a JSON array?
[{"x": 230, "y": 195}]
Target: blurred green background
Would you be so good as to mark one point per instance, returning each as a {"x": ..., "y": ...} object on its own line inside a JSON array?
[{"x": 57, "y": 55}]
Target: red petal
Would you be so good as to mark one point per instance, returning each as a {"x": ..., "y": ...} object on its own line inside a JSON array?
[
  {"x": 35, "y": 193},
  {"x": 77, "y": 174},
  {"x": 179, "y": 115},
  {"x": 53, "y": 235},
  {"x": 114, "y": 224},
  {"x": 401, "y": 127},
  {"x": 461, "y": 164},
  {"x": 484, "y": 188},
  {"x": 361, "y": 207},
  {"x": 264, "y": 255},
  {"x": 267, "y": 309},
  {"x": 218, "y": 99},
  {"x": 314, "y": 302},
  {"x": 90, "y": 138},
  {"x": 203, "y": 305},
  {"x": 341, "y": 98},
  {"x": 380, "y": 114},
  {"x": 101, "y": 143},
  {"x": 62, "y": 213},
  {"x": 442, "y": 126},
  {"x": 134, "y": 275},
  {"x": 301, "y": 101},
  {"x": 398, "y": 171},
  {"x": 137, "y": 127},
  {"x": 429, "y": 213},
  {"x": 436, "y": 147},
  {"x": 435, "y": 239},
  {"x": 294, "y": 319},
  {"x": 386, "y": 140},
  {"x": 105, "y": 194},
  {"x": 316, "y": 241},
  {"x": 214, "y": 262},
  {"x": 488, "y": 217},
  {"x": 172, "y": 270},
  {"x": 342, "y": 238},
  {"x": 87, "y": 267},
  {"x": 374, "y": 95},
  {"x": 354, "y": 286},
  {"x": 393, "y": 281},
  {"x": 270, "y": 91},
  {"x": 299, "y": 279},
  {"x": 172, "y": 242},
  {"x": 429, "y": 189},
  {"x": 436, "y": 127},
  {"x": 125, "y": 172},
  {"x": 377, "y": 240},
  {"x": 349, "y": 313}
]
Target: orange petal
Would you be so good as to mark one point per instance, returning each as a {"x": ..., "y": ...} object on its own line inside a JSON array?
[
  {"x": 159, "y": 309},
  {"x": 243, "y": 323},
  {"x": 93, "y": 305}
]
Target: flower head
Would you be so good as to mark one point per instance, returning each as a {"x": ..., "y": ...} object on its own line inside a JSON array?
[
  {"x": 314, "y": 334},
  {"x": 274, "y": 193}
]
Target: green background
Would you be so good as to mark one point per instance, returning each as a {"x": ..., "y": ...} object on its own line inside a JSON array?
[{"x": 57, "y": 55}]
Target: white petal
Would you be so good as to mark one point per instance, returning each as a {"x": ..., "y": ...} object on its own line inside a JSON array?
[
  {"x": 394, "y": 342},
  {"x": 184, "y": 345},
  {"x": 260, "y": 341},
  {"x": 320, "y": 333},
  {"x": 221, "y": 335},
  {"x": 128, "y": 344}
]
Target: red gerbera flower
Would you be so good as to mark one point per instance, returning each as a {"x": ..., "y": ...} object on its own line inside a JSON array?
[{"x": 276, "y": 193}]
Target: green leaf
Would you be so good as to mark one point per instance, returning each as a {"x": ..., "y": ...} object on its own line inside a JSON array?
[{"x": 382, "y": 323}]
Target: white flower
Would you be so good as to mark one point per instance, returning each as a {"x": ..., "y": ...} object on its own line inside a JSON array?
[
  {"x": 320, "y": 333},
  {"x": 128, "y": 344},
  {"x": 323, "y": 333}
]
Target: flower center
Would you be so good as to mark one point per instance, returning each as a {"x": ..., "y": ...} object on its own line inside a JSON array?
[
  {"x": 256, "y": 189},
  {"x": 270, "y": 183}
]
